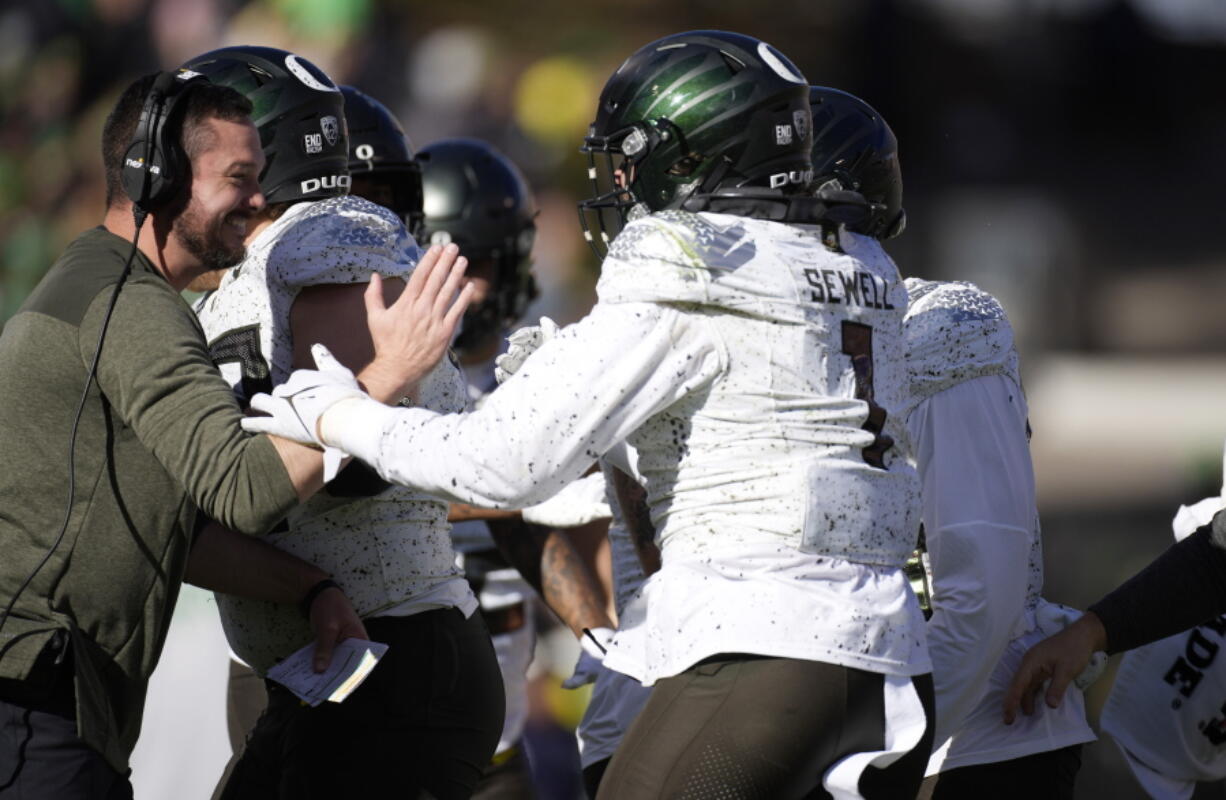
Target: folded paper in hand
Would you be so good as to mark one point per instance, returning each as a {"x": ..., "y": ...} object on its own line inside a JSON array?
[{"x": 352, "y": 661}]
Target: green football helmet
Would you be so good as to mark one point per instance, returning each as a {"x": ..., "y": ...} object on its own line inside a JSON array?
[{"x": 692, "y": 116}]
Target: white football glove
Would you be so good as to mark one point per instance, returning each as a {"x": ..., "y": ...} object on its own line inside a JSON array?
[
  {"x": 578, "y": 503},
  {"x": 295, "y": 406},
  {"x": 587, "y": 667},
  {"x": 521, "y": 344}
]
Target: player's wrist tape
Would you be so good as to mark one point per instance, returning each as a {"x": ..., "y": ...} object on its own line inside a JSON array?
[{"x": 315, "y": 591}]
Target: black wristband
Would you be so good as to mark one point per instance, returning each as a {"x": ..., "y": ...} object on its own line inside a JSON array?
[{"x": 315, "y": 591}]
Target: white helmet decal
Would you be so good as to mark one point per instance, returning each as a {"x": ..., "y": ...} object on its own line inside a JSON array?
[
  {"x": 772, "y": 59},
  {"x": 303, "y": 74}
]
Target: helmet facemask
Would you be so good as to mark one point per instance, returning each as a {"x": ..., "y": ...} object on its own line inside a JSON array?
[{"x": 625, "y": 151}]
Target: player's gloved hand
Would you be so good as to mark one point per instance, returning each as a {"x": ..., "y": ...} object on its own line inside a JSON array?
[
  {"x": 294, "y": 407},
  {"x": 578, "y": 503},
  {"x": 521, "y": 344},
  {"x": 1055, "y": 617},
  {"x": 595, "y": 642}
]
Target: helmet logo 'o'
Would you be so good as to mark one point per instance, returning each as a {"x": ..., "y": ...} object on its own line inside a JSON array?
[
  {"x": 364, "y": 152},
  {"x": 303, "y": 74},
  {"x": 772, "y": 59}
]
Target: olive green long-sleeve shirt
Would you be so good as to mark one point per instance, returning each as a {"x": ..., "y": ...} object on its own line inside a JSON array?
[{"x": 159, "y": 436}]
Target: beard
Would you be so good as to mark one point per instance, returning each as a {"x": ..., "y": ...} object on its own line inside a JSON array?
[{"x": 205, "y": 239}]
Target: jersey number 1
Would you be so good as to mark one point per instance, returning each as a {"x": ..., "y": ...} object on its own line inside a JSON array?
[{"x": 858, "y": 343}]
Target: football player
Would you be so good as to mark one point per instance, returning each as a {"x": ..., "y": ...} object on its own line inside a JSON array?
[
  {"x": 616, "y": 698},
  {"x": 427, "y": 719},
  {"x": 751, "y": 350},
  {"x": 967, "y": 417},
  {"x": 475, "y": 197}
]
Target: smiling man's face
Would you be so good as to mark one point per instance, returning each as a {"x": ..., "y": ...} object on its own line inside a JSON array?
[{"x": 225, "y": 195}]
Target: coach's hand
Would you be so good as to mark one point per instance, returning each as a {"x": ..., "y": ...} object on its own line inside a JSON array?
[
  {"x": 411, "y": 335},
  {"x": 333, "y": 620},
  {"x": 1055, "y": 661}
]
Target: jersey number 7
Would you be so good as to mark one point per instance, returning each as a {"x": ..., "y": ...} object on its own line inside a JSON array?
[
  {"x": 242, "y": 346},
  {"x": 858, "y": 343}
]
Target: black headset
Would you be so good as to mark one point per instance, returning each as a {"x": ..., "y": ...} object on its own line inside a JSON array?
[
  {"x": 153, "y": 169},
  {"x": 154, "y": 164}
]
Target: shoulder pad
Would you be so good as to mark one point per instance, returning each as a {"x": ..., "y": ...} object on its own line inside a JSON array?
[
  {"x": 714, "y": 260},
  {"x": 954, "y": 332},
  {"x": 339, "y": 240},
  {"x": 654, "y": 259}
]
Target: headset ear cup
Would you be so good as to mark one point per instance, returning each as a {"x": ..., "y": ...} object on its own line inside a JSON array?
[
  {"x": 134, "y": 172},
  {"x": 157, "y": 141}
]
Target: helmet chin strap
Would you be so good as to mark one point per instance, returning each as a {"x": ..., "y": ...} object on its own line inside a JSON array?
[{"x": 708, "y": 186}]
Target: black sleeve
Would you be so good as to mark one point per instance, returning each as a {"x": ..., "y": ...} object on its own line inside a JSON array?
[
  {"x": 356, "y": 479},
  {"x": 1182, "y": 588}
]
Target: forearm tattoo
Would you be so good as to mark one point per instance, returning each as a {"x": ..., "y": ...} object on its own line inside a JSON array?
[{"x": 550, "y": 564}]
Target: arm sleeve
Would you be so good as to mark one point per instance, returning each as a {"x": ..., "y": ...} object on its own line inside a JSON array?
[
  {"x": 1182, "y": 588},
  {"x": 979, "y": 513},
  {"x": 156, "y": 374},
  {"x": 582, "y": 392}
]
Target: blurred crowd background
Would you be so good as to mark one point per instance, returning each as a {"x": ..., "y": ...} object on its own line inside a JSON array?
[{"x": 1065, "y": 155}]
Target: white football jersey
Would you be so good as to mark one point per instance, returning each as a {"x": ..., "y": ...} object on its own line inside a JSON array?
[
  {"x": 739, "y": 357},
  {"x": 385, "y": 550},
  {"x": 955, "y": 332},
  {"x": 1167, "y": 707},
  {"x": 982, "y": 525},
  {"x": 800, "y": 439},
  {"x": 472, "y": 535}
]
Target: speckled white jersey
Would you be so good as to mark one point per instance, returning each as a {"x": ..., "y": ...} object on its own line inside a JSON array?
[
  {"x": 979, "y": 512},
  {"x": 781, "y": 448},
  {"x": 471, "y": 535},
  {"x": 956, "y": 332},
  {"x": 384, "y": 550},
  {"x": 738, "y": 357}
]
